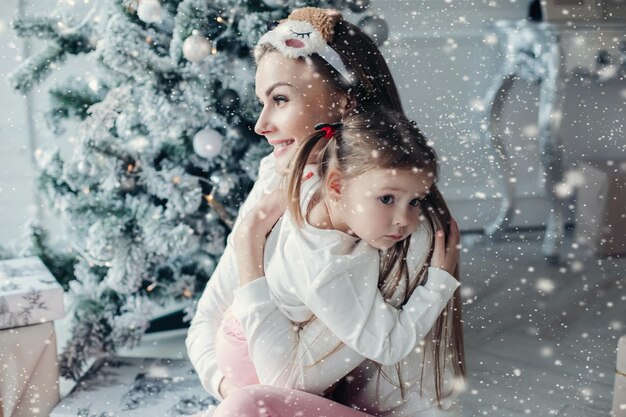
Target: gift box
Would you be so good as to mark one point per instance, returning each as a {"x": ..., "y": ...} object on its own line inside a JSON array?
[
  {"x": 619, "y": 392},
  {"x": 133, "y": 387},
  {"x": 30, "y": 298},
  {"x": 601, "y": 207},
  {"x": 29, "y": 294},
  {"x": 29, "y": 371}
]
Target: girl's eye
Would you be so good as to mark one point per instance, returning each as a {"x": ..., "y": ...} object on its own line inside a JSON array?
[
  {"x": 415, "y": 202},
  {"x": 386, "y": 199}
]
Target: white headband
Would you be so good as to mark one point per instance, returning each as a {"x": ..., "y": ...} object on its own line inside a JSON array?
[{"x": 298, "y": 38}]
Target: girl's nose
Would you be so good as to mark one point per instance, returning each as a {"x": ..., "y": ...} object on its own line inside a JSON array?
[{"x": 401, "y": 218}]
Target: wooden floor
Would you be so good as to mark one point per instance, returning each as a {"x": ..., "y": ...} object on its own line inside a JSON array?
[{"x": 540, "y": 339}]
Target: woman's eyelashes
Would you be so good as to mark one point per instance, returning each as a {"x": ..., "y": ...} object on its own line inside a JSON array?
[{"x": 279, "y": 99}]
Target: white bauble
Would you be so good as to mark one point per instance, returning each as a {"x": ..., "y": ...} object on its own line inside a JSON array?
[
  {"x": 149, "y": 11},
  {"x": 196, "y": 47},
  {"x": 207, "y": 143}
]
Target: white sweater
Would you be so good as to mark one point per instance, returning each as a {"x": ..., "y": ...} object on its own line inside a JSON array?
[
  {"x": 311, "y": 359},
  {"x": 334, "y": 276}
]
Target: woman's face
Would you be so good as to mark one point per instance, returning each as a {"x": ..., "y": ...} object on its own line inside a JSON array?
[{"x": 295, "y": 98}]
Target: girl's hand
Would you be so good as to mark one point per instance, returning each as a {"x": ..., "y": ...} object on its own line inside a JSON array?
[{"x": 446, "y": 257}]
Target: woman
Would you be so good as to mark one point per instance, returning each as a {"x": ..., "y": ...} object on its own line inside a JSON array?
[{"x": 296, "y": 94}]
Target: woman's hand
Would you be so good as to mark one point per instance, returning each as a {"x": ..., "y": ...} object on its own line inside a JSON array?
[
  {"x": 446, "y": 256},
  {"x": 226, "y": 387},
  {"x": 249, "y": 238}
]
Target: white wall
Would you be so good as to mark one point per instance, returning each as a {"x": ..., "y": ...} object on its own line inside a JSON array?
[{"x": 442, "y": 64}]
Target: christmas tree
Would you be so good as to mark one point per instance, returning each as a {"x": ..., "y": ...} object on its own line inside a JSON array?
[{"x": 164, "y": 156}]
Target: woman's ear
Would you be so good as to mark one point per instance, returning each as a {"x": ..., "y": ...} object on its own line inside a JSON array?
[
  {"x": 346, "y": 103},
  {"x": 332, "y": 184}
]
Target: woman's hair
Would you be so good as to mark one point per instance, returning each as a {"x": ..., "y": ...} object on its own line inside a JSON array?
[
  {"x": 373, "y": 83},
  {"x": 374, "y": 88},
  {"x": 385, "y": 139}
]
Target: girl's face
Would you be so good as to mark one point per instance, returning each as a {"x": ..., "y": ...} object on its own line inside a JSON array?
[
  {"x": 381, "y": 206},
  {"x": 294, "y": 99}
]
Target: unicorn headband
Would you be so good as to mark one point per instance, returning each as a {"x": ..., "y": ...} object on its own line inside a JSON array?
[{"x": 307, "y": 31}]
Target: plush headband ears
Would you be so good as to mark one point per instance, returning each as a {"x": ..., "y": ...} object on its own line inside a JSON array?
[{"x": 307, "y": 31}]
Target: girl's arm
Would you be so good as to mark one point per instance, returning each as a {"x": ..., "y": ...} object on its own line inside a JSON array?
[
  {"x": 218, "y": 296},
  {"x": 346, "y": 298},
  {"x": 310, "y": 358}
]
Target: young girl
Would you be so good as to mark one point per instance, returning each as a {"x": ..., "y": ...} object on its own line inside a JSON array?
[
  {"x": 296, "y": 93},
  {"x": 376, "y": 162}
]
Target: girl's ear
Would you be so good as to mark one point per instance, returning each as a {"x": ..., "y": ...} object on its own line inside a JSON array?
[{"x": 333, "y": 184}]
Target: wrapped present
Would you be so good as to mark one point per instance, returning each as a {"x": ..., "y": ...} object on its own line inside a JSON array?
[
  {"x": 29, "y": 372},
  {"x": 133, "y": 387},
  {"x": 619, "y": 392},
  {"x": 601, "y": 207},
  {"x": 29, "y": 294}
]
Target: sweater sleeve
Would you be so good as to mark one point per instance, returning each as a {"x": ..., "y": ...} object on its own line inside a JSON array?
[
  {"x": 308, "y": 358},
  {"x": 218, "y": 296},
  {"x": 345, "y": 297}
]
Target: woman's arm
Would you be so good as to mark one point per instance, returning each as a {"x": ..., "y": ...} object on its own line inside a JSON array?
[
  {"x": 218, "y": 296},
  {"x": 308, "y": 358}
]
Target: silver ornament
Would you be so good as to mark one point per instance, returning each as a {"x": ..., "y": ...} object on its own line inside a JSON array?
[
  {"x": 376, "y": 28},
  {"x": 196, "y": 47},
  {"x": 207, "y": 143},
  {"x": 149, "y": 11}
]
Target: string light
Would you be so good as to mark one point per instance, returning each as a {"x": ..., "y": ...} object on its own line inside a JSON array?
[{"x": 219, "y": 209}]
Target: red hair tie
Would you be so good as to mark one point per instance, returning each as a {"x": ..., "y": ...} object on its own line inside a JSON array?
[{"x": 329, "y": 129}]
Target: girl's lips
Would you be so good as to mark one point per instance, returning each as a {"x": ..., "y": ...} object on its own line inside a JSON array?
[{"x": 394, "y": 237}]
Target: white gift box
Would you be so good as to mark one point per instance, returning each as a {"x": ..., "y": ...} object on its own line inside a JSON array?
[
  {"x": 29, "y": 294},
  {"x": 29, "y": 371},
  {"x": 133, "y": 387},
  {"x": 619, "y": 392}
]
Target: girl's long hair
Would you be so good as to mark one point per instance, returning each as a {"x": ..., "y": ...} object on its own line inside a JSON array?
[
  {"x": 384, "y": 139},
  {"x": 374, "y": 87}
]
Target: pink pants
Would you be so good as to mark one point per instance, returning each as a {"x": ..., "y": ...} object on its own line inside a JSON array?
[
  {"x": 231, "y": 352},
  {"x": 268, "y": 401},
  {"x": 253, "y": 400}
]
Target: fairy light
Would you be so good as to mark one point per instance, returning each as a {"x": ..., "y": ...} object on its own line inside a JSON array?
[
  {"x": 220, "y": 19},
  {"x": 187, "y": 293},
  {"x": 219, "y": 209},
  {"x": 213, "y": 51},
  {"x": 176, "y": 179},
  {"x": 130, "y": 168},
  {"x": 151, "y": 287}
]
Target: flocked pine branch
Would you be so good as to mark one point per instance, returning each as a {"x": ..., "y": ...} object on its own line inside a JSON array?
[{"x": 146, "y": 210}]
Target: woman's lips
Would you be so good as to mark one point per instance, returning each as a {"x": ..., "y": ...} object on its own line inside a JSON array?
[
  {"x": 394, "y": 237},
  {"x": 280, "y": 146}
]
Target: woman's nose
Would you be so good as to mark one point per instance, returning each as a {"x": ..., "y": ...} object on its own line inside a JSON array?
[{"x": 263, "y": 125}]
